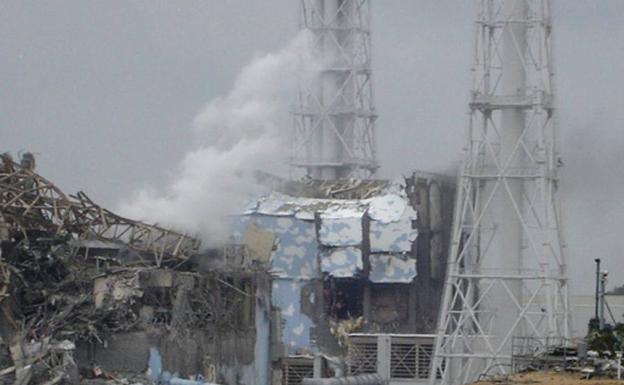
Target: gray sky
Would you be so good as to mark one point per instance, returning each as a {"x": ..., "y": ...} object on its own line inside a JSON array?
[{"x": 105, "y": 91}]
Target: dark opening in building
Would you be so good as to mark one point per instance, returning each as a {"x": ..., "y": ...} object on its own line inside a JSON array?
[
  {"x": 389, "y": 305},
  {"x": 343, "y": 297}
]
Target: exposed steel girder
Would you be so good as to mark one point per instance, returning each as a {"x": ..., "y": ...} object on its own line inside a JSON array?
[{"x": 31, "y": 202}]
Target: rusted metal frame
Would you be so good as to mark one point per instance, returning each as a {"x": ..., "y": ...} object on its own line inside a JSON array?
[{"x": 57, "y": 212}]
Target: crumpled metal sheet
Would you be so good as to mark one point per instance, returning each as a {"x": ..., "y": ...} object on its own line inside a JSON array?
[
  {"x": 342, "y": 262},
  {"x": 259, "y": 242},
  {"x": 387, "y": 268},
  {"x": 387, "y": 208},
  {"x": 291, "y": 220},
  {"x": 393, "y": 237},
  {"x": 341, "y": 231},
  {"x": 277, "y": 204},
  {"x": 296, "y": 248},
  {"x": 286, "y": 295}
]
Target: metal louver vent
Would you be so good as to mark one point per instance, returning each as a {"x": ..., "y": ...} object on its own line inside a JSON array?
[
  {"x": 403, "y": 360},
  {"x": 363, "y": 356},
  {"x": 294, "y": 370},
  {"x": 425, "y": 356},
  {"x": 397, "y": 357},
  {"x": 410, "y": 360}
]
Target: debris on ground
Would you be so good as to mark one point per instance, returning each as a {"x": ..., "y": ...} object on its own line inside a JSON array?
[
  {"x": 342, "y": 328},
  {"x": 548, "y": 378},
  {"x": 74, "y": 274}
]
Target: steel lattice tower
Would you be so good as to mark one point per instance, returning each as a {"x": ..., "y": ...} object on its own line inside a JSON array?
[
  {"x": 335, "y": 117},
  {"x": 506, "y": 272}
]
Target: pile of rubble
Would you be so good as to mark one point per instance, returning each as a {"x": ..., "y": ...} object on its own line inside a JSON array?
[
  {"x": 566, "y": 356},
  {"x": 49, "y": 292},
  {"x": 53, "y": 298},
  {"x": 547, "y": 378},
  {"x": 73, "y": 275}
]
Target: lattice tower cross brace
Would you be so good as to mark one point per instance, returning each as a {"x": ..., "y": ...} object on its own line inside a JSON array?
[
  {"x": 334, "y": 119},
  {"x": 506, "y": 272}
]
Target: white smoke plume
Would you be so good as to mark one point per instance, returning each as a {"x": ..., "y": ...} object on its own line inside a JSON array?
[{"x": 236, "y": 134}]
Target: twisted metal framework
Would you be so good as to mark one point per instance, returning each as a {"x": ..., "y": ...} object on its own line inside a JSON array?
[
  {"x": 335, "y": 117},
  {"x": 506, "y": 272},
  {"x": 30, "y": 202}
]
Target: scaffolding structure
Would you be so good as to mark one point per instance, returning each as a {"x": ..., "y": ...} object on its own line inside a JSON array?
[
  {"x": 335, "y": 115},
  {"x": 506, "y": 271}
]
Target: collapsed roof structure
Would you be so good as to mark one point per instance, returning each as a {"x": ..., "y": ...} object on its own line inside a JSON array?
[
  {"x": 30, "y": 202},
  {"x": 317, "y": 279},
  {"x": 88, "y": 295}
]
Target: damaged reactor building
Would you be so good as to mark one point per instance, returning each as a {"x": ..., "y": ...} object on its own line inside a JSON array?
[
  {"x": 332, "y": 277},
  {"x": 319, "y": 279},
  {"x": 336, "y": 274}
]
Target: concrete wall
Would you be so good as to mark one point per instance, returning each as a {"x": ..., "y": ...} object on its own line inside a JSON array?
[
  {"x": 433, "y": 197},
  {"x": 218, "y": 327},
  {"x": 232, "y": 357}
]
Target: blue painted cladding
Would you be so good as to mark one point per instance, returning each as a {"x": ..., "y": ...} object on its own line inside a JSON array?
[
  {"x": 295, "y": 255},
  {"x": 299, "y": 256},
  {"x": 394, "y": 236},
  {"x": 341, "y": 231},
  {"x": 294, "y": 262},
  {"x": 391, "y": 269},
  {"x": 341, "y": 262},
  {"x": 286, "y": 295}
]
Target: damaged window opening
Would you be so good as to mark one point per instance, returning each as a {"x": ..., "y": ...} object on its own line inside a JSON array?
[
  {"x": 343, "y": 297},
  {"x": 389, "y": 305},
  {"x": 237, "y": 304},
  {"x": 157, "y": 304}
]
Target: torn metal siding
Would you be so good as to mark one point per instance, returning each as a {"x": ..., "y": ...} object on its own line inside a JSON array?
[
  {"x": 391, "y": 269},
  {"x": 303, "y": 252},
  {"x": 296, "y": 249},
  {"x": 286, "y": 295},
  {"x": 342, "y": 262},
  {"x": 293, "y": 263},
  {"x": 296, "y": 253},
  {"x": 299, "y": 249},
  {"x": 387, "y": 208},
  {"x": 340, "y": 231},
  {"x": 276, "y": 204},
  {"x": 395, "y": 236}
]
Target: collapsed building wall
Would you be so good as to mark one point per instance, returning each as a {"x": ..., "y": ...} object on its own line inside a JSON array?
[
  {"x": 200, "y": 323},
  {"x": 301, "y": 274},
  {"x": 212, "y": 323},
  {"x": 87, "y": 293}
]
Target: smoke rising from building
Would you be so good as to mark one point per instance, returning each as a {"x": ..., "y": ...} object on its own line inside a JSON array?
[
  {"x": 236, "y": 134},
  {"x": 152, "y": 74}
]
